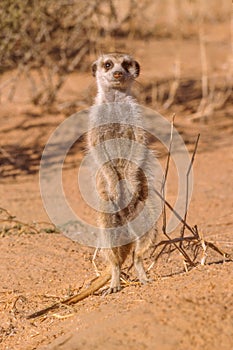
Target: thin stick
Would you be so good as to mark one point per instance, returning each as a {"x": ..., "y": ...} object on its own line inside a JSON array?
[
  {"x": 188, "y": 239},
  {"x": 204, "y": 77},
  {"x": 2, "y": 210},
  {"x": 164, "y": 228},
  {"x": 182, "y": 251},
  {"x": 187, "y": 187},
  {"x": 165, "y": 175},
  {"x": 175, "y": 213}
]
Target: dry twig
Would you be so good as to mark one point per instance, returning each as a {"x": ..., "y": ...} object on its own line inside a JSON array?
[
  {"x": 187, "y": 187},
  {"x": 197, "y": 239}
]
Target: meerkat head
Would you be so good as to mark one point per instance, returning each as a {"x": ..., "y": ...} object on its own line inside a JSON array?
[{"x": 115, "y": 71}]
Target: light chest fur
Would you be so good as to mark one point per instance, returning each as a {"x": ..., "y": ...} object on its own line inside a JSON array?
[{"x": 116, "y": 127}]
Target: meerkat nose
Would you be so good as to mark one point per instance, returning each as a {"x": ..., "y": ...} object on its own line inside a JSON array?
[{"x": 117, "y": 74}]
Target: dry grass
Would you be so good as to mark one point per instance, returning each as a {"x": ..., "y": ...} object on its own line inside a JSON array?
[
  {"x": 10, "y": 225},
  {"x": 56, "y": 38}
]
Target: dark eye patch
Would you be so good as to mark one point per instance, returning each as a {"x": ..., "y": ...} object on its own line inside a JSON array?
[
  {"x": 126, "y": 65},
  {"x": 108, "y": 64}
]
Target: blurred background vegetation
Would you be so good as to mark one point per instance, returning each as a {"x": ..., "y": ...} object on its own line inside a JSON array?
[{"x": 57, "y": 37}]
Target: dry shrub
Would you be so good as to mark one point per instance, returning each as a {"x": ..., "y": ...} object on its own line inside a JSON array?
[
  {"x": 57, "y": 37},
  {"x": 54, "y": 37}
]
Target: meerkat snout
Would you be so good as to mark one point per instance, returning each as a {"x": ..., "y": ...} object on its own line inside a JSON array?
[
  {"x": 117, "y": 71},
  {"x": 117, "y": 74},
  {"x": 117, "y": 144}
]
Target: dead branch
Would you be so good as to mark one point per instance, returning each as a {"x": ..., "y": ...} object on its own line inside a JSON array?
[
  {"x": 181, "y": 250},
  {"x": 189, "y": 239},
  {"x": 166, "y": 173},
  {"x": 197, "y": 238},
  {"x": 187, "y": 187}
]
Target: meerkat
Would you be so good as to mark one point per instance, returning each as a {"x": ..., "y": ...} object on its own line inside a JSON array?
[{"x": 115, "y": 73}]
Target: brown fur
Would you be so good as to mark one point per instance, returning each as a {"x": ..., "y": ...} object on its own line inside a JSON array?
[
  {"x": 109, "y": 90},
  {"x": 112, "y": 172}
]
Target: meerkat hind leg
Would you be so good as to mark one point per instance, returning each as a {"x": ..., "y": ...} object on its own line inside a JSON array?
[
  {"x": 116, "y": 256},
  {"x": 114, "y": 260},
  {"x": 115, "y": 285},
  {"x": 141, "y": 247},
  {"x": 140, "y": 270}
]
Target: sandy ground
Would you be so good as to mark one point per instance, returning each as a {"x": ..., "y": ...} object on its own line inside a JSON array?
[{"x": 182, "y": 310}]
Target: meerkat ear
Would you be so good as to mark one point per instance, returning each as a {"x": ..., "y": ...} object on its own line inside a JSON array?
[
  {"x": 94, "y": 69},
  {"x": 137, "y": 69}
]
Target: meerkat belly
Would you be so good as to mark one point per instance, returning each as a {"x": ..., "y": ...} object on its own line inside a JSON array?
[
  {"x": 122, "y": 183},
  {"x": 121, "y": 162},
  {"x": 120, "y": 151}
]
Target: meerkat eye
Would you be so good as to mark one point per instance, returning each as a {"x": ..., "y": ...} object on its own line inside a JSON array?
[
  {"x": 126, "y": 65},
  {"x": 108, "y": 65}
]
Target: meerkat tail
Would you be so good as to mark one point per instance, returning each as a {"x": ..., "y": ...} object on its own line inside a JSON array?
[{"x": 94, "y": 287}]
